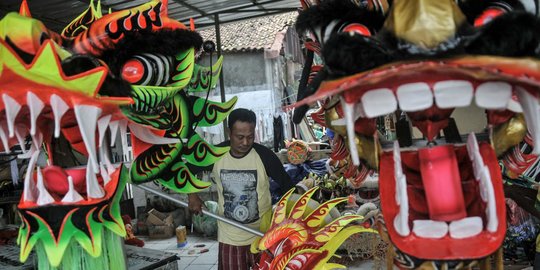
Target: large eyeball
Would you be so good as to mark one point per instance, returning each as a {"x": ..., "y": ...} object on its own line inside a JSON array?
[
  {"x": 322, "y": 34},
  {"x": 148, "y": 69},
  {"x": 356, "y": 28},
  {"x": 487, "y": 16}
]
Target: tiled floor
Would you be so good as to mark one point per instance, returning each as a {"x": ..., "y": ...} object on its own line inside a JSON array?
[{"x": 191, "y": 257}]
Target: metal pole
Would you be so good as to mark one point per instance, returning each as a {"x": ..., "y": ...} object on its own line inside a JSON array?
[
  {"x": 221, "y": 80},
  {"x": 210, "y": 214}
]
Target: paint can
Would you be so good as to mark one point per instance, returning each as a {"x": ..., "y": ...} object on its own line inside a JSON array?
[{"x": 181, "y": 239}]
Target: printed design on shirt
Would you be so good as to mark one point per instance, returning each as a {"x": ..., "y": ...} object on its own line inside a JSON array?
[{"x": 241, "y": 201}]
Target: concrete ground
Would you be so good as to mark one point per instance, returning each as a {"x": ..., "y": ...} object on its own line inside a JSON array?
[{"x": 201, "y": 253}]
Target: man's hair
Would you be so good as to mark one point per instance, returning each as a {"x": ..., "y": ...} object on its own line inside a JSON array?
[{"x": 242, "y": 115}]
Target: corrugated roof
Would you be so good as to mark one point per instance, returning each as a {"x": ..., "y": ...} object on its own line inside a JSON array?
[
  {"x": 250, "y": 35},
  {"x": 56, "y": 14}
]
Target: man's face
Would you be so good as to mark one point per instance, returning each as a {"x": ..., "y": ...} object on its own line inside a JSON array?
[{"x": 242, "y": 136}]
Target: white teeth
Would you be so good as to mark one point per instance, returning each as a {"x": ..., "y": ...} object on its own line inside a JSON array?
[
  {"x": 27, "y": 154},
  {"x": 531, "y": 111},
  {"x": 59, "y": 108},
  {"x": 398, "y": 171},
  {"x": 459, "y": 229},
  {"x": 4, "y": 137},
  {"x": 30, "y": 192},
  {"x": 464, "y": 228},
  {"x": 104, "y": 157},
  {"x": 72, "y": 196},
  {"x": 103, "y": 123},
  {"x": 19, "y": 131},
  {"x": 37, "y": 141},
  {"x": 36, "y": 106},
  {"x": 483, "y": 176},
  {"x": 87, "y": 117},
  {"x": 414, "y": 97},
  {"x": 493, "y": 95},
  {"x": 430, "y": 228},
  {"x": 486, "y": 188},
  {"x": 379, "y": 102},
  {"x": 104, "y": 160},
  {"x": 359, "y": 111},
  {"x": 418, "y": 96},
  {"x": 401, "y": 221},
  {"x": 44, "y": 197},
  {"x": 514, "y": 106},
  {"x": 147, "y": 136},
  {"x": 113, "y": 126},
  {"x": 348, "y": 111},
  {"x": 93, "y": 189},
  {"x": 474, "y": 155},
  {"x": 123, "y": 137},
  {"x": 104, "y": 174},
  {"x": 401, "y": 224},
  {"x": 12, "y": 109},
  {"x": 452, "y": 94}
]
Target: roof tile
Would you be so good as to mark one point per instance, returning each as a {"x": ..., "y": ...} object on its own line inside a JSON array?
[{"x": 250, "y": 35}]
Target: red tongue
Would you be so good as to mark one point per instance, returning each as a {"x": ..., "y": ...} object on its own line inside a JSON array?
[
  {"x": 442, "y": 183},
  {"x": 55, "y": 179}
]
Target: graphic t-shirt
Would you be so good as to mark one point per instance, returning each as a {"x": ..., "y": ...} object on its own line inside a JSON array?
[{"x": 244, "y": 195}]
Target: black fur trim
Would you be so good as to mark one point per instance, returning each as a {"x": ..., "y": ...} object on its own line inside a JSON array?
[
  {"x": 474, "y": 8},
  {"x": 344, "y": 54},
  {"x": 112, "y": 86},
  {"x": 311, "y": 88},
  {"x": 166, "y": 42},
  {"x": 515, "y": 34},
  {"x": 344, "y": 10}
]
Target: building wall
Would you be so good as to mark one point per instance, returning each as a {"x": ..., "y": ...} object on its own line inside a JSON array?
[
  {"x": 246, "y": 71},
  {"x": 256, "y": 82},
  {"x": 243, "y": 72}
]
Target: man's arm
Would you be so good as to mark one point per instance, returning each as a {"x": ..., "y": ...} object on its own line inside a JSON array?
[
  {"x": 195, "y": 203},
  {"x": 274, "y": 168}
]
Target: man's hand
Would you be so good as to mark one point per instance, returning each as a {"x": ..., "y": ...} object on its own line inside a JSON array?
[{"x": 195, "y": 204}]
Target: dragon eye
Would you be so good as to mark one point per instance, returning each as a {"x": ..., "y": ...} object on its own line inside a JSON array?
[
  {"x": 488, "y": 15},
  {"x": 133, "y": 71},
  {"x": 148, "y": 69},
  {"x": 357, "y": 29}
]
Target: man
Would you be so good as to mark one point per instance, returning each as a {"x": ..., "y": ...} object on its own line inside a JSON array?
[{"x": 242, "y": 181}]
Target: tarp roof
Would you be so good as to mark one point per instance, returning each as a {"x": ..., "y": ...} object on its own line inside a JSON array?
[{"x": 56, "y": 14}]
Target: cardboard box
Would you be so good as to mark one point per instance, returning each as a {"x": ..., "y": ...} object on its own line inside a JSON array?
[
  {"x": 160, "y": 225},
  {"x": 169, "y": 220},
  {"x": 156, "y": 218},
  {"x": 161, "y": 231}
]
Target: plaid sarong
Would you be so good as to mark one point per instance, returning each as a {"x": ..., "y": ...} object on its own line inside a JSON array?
[{"x": 235, "y": 257}]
